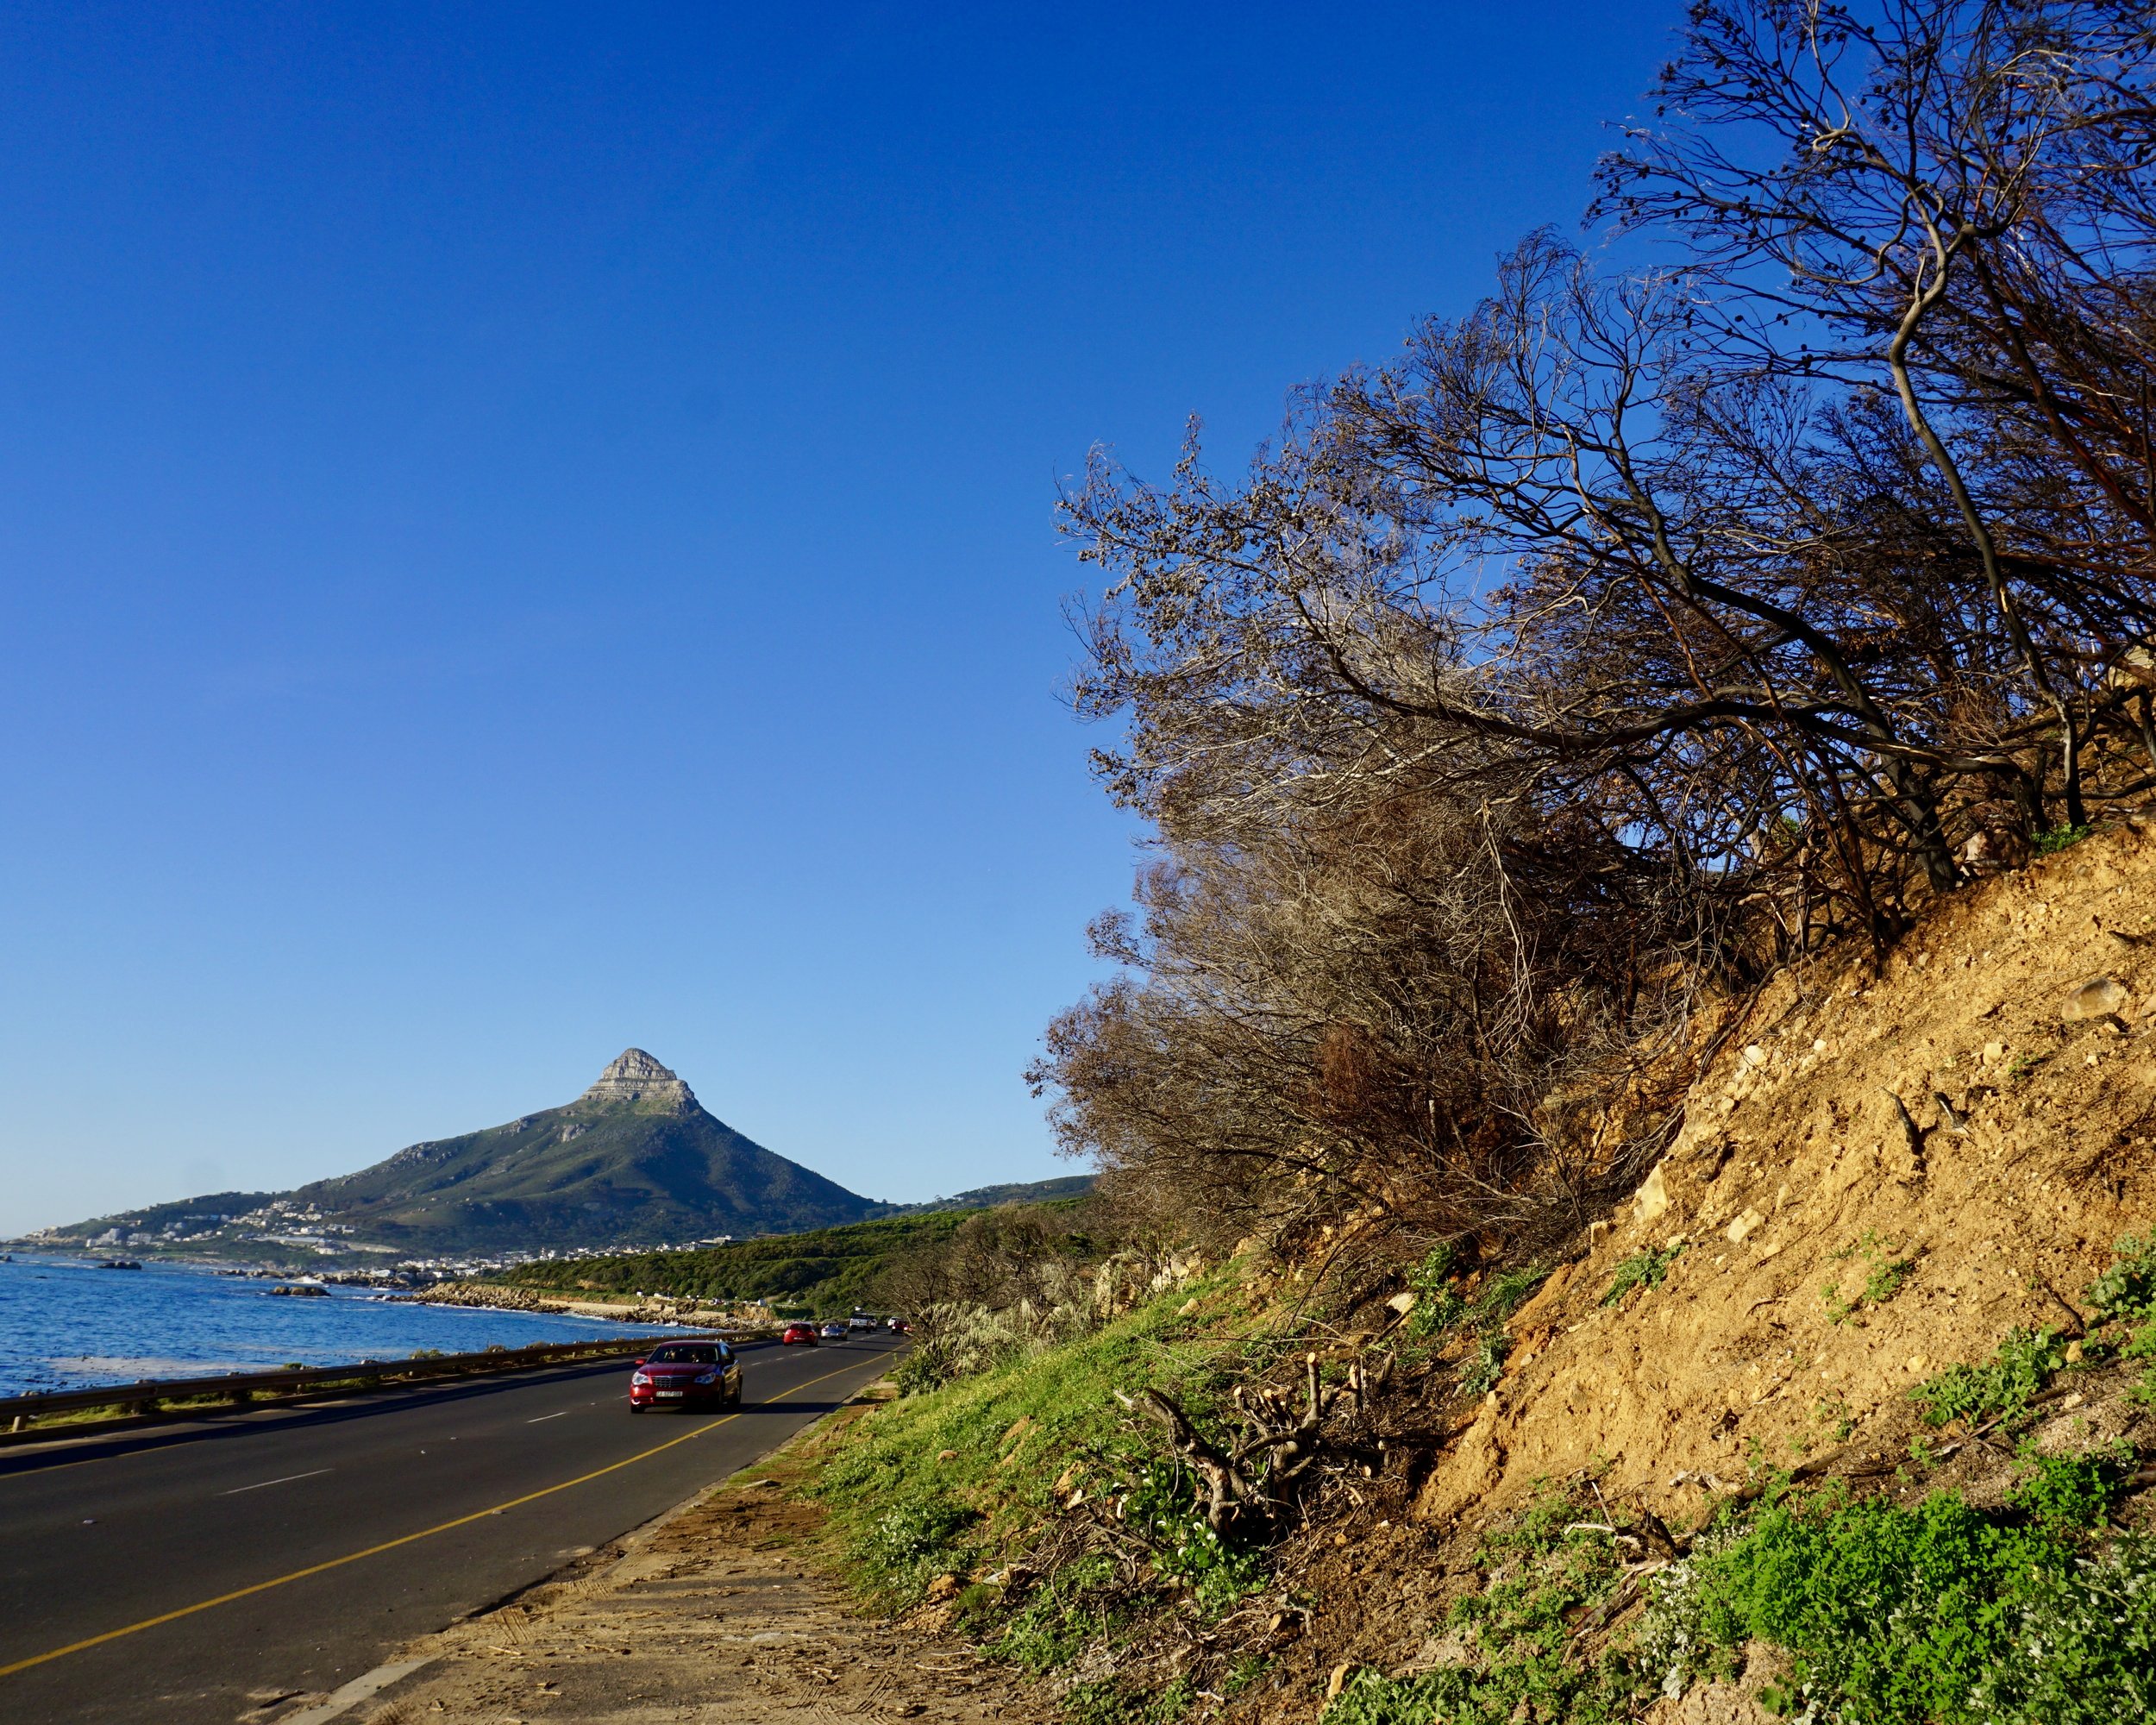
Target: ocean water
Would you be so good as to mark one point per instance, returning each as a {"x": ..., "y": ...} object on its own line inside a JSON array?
[{"x": 66, "y": 1324}]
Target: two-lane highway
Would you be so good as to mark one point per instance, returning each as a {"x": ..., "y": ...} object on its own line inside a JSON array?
[{"x": 166, "y": 1577}]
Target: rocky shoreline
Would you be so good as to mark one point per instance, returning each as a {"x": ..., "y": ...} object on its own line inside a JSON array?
[{"x": 496, "y": 1297}]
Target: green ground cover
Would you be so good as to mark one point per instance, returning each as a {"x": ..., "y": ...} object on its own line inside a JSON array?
[{"x": 824, "y": 1273}]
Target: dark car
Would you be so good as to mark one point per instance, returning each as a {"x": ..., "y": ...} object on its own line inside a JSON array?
[
  {"x": 800, "y": 1333},
  {"x": 685, "y": 1375}
]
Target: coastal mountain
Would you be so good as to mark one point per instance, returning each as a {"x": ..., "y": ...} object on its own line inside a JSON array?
[{"x": 635, "y": 1160}]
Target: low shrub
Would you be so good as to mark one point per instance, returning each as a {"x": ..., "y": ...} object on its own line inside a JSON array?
[
  {"x": 1935, "y": 1613},
  {"x": 1642, "y": 1269},
  {"x": 2071, "y": 1493},
  {"x": 1485, "y": 1363},
  {"x": 2127, "y": 1288},
  {"x": 2080, "y": 1648},
  {"x": 2000, "y": 1390},
  {"x": 1160, "y": 1506},
  {"x": 914, "y": 1541}
]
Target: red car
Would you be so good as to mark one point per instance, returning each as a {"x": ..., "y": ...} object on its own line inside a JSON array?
[
  {"x": 804, "y": 1333},
  {"x": 685, "y": 1375}
]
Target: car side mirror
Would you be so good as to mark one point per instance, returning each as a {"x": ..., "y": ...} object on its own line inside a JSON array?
[{"x": 639, "y": 1362}]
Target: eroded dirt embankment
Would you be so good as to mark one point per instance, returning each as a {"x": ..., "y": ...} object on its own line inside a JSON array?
[{"x": 1964, "y": 1136}]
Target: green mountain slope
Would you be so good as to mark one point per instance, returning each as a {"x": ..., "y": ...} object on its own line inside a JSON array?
[
  {"x": 635, "y": 1160},
  {"x": 636, "y": 1157}
]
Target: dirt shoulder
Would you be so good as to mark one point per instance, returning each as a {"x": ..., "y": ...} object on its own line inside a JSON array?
[{"x": 723, "y": 1610}]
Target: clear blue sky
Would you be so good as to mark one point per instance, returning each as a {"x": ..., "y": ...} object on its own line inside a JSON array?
[{"x": 527, "y": 530}]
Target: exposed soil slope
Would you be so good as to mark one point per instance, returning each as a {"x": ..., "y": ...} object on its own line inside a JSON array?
[{"x": 2017, "y": 1029}]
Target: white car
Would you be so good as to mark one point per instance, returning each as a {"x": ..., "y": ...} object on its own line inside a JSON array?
[{"x": 858, "y": 1322}]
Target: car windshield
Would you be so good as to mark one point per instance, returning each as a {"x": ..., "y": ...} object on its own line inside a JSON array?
[{"x": 687, "y": 1353}]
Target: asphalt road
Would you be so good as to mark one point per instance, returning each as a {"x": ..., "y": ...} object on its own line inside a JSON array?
[{"x": 105, "y": 1537}]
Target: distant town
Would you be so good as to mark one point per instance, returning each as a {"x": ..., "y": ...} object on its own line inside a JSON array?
[{"x": 301, "y": 1228}]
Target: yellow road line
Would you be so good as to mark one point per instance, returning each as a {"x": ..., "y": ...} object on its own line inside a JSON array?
[{"x": 389, "y": 1545}]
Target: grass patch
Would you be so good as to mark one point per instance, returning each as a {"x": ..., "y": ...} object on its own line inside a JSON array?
[
  {"x": 998, "y": 1445},
  {"x": 916, "y": 1540},
  {"x": 1507, "y": 1292},
  {"x": 1884, "y": 1276},
  {"x": 1642, "y": 1269}
]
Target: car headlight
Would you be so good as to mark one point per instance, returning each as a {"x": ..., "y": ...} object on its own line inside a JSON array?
[
  {"x": 707, "y": 1377},
  {"x": 640, "y": 1377}
]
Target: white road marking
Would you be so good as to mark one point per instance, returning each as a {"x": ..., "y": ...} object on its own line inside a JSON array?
[
  {"x": 343, "y": 1700},
  {"x": 286, "y": 1480},
  {"x": 544, "y": 1417}
]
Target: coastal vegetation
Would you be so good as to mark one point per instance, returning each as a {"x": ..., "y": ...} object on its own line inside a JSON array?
[{"x": 900, "y": 1263}]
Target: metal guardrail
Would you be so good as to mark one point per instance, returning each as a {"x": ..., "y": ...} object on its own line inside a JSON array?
[{"x": 140, "y": 1397}]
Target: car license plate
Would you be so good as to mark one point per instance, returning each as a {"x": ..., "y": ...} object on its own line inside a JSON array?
[{"x": 671, "y": 1394}]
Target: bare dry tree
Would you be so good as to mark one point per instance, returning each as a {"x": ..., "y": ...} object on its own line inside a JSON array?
[{"x": 1634, "y": 632}]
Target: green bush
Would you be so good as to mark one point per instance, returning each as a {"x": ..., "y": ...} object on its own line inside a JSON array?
[
  {"x": 2001, "y": 1388},
  {"x": 1485, "y": 1363},
  {"x": 1160, "y": 1507},
  {"x": 2127, "y": 1288},
  {"x": 1932, "y": 1614},
  {"x": 2071, "y": 1494},
  {"x": 914, "y": 1541},
  {"x": 1892, "y": 1614},
  {"x": 1642, "y": 1269},
  {"x": 1438, "y": 1303},
  {"x": 2081, "y": 1649}
]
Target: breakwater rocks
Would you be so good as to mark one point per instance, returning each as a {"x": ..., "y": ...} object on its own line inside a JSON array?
[
  {"x": 481, "y": 1294},
  {"x": 497, "y": 1297},
  {"x": 301, "y": 1289}
]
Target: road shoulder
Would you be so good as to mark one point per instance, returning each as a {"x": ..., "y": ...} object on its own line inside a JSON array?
[{"x": 717, "y": 1611}]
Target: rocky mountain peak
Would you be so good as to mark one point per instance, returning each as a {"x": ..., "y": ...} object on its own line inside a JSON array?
[{"x": 634, "y": 1076}]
